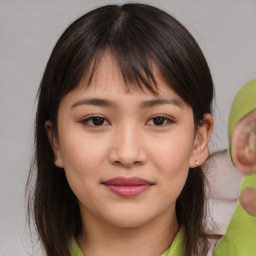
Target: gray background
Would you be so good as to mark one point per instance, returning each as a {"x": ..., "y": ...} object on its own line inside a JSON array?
[{"x": 225, "y": 30}]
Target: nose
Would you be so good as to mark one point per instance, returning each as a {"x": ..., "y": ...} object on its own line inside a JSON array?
[{"x": 128, "y": 149}]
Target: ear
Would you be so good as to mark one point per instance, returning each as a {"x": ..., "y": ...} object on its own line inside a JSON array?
[
  {"x": 54, "y": 143},
  {"x": 200, "y": 147}
]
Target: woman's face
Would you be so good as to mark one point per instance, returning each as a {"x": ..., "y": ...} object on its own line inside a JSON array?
[{"x": 126, "y": 155}]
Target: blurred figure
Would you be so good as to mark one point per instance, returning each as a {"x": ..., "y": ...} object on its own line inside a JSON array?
[{"x": 240, "y": 236}]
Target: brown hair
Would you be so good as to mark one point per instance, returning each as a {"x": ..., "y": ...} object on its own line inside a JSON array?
[{"x": 137, "y": 36}]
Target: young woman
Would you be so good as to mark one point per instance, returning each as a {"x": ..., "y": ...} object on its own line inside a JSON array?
[{"x": 122, "y": 127}]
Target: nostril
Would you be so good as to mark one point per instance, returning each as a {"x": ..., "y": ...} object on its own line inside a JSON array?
[
  {"x": 127, "y": 153},
  {"x": 126, "y": 163}
]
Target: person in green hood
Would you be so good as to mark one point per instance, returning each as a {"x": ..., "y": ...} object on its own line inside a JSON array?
[{"x": 240, "y": 237}]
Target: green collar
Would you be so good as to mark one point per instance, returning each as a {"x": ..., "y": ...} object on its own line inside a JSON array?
[
  {"x": 75, "y": 250},
  {"x": 174, "y": 250}
]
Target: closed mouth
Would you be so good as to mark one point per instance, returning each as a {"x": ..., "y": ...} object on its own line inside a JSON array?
[{"x": 127, "y": 187}]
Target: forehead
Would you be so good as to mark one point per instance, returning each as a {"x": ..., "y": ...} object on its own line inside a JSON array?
[{"x": 109, "y": 79}]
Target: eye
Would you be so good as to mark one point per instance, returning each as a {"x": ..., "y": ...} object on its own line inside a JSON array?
[
  {"x": 95, "y": 121},
  {"x": 159, "y": 121}
]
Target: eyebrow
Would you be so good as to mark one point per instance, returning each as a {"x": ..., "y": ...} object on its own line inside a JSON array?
[
  {"x": 95, "y": 102},
  {"x": 155, "y": 102},
  {"x": 144, "y": 104}
]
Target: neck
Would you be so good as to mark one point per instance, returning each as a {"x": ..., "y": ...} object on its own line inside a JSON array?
[{"x": 149, "y": 239}]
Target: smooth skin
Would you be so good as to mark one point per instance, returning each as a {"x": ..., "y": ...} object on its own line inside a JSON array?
[{"x": 106, "y": 131}]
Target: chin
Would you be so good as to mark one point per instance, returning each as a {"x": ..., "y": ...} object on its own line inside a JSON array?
[{"x": 128, "y": 220}]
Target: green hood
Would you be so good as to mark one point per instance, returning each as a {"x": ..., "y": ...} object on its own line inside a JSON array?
[{"x": 244, "y": 103}]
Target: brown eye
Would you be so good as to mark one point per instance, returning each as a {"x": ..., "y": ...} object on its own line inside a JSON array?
[
  {"x": 159, "y": 121},
  {"x": 98, "y": 120},
  {"x": 95, "y": 121}
]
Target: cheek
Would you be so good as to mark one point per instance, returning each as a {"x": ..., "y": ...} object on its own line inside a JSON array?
[
  {"x": 82, "y": 156},
  {"x": 171, "y": 155},
  {"x": 171, "y": 160}
]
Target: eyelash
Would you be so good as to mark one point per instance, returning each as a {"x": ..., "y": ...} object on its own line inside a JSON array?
[
  {"x": 87, "y": 120},
  {"x": 167, "y": 120},
  {"x": 90, "y": 119}
]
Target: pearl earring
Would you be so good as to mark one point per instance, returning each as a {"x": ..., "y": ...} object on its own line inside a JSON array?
[{"x": 197, "y": 163}]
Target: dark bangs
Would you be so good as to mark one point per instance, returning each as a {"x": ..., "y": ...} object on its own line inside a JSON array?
[{"x": 137, "y": 44}]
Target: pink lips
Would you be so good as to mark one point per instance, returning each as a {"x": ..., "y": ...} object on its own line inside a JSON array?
[{"x": 127, "y": 187}]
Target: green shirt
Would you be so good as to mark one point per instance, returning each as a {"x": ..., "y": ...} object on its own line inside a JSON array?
[
  {"x": 240, "y": 237},
  {"x": 174, "y": 250}
]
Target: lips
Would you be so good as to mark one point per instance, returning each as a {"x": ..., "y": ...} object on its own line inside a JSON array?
[{"x": 127, "y": 187}]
